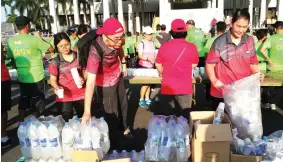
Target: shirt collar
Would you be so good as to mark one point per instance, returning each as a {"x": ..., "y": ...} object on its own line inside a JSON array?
[
  {"x": 243, "y": 39},
  {"x": 63, "y": 60},
  {"x": 104, "y": 47}
]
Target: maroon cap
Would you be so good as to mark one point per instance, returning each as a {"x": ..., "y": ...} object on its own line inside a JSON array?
[
  {"x": 111, "y": 26},
  {"x": 178, "y": 25}
]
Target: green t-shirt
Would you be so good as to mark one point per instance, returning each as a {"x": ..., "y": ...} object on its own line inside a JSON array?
[
  {"x": 74, "y": 42},
  {"x": 27, "y": 51},
  {"x": 208, "y": 44},
  {"x": 129, "y": 47},
  {"x": 275, "y": 44},
  {"x": 197, "y": 37},
  {"x": 258, "y": 46}
]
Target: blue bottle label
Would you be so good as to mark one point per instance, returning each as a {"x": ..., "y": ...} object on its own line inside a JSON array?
[
  {"x": 27, "y": 142},
  {"x": 54, "y": 142},
  {"x": 165, "y": 141},
  {"x": 35, "y": 142},
  {"x": 43, "y": 142}
]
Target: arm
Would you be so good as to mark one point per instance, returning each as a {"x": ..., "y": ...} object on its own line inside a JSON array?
[
  {"x": 53, "y": 82},
  {"x": 263, "y": 50},
  {"x": 123, "y": 62},
  {"x": 90, "y": 85},
  {"x": 254, "y": 68},
  {"x": 159, "y": 68}
]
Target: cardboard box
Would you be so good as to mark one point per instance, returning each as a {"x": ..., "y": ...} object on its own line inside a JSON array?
[
  {"x": 210, "y": 142},
  {"x": 119, "y": 160},
  {"x": 84, "y": 156},
  {"x": 243, "y": 158}
]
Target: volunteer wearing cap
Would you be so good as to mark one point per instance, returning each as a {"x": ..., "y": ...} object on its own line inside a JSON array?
[
  {"x": 175, "y": 61},
  {"x": 146, "y": 51},
  {"x": 196, "y": 36},
  {"x": 231, "y": 57},
  {"x": 26, "y": 51},
  {"x": 275, "y": 45},
  {"x": 105, "y": 73}
]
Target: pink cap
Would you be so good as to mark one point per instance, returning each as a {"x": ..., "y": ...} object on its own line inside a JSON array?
[
  {"x": 178, "y": 25},
  {"x": 111, "y": 26}
]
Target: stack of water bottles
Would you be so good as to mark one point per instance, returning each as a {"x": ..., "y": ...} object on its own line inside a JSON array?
[
  {"x": 168, "y": 139},
  {"x": 133, "y": 155},
  {"x": 41, "y": 140},
  {"x": 274, "y": 147},
  {"x": 143, "y": 72}
]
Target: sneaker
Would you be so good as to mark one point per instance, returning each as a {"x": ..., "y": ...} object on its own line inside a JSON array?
[
  {"x": 273, "y": 106},
  {"x": 148, "y": 101},
  {"x": 152, "y": 89},
  {"x": 265, "y": 105},
  {"x": 6, "y": 144},
  {"x": 143, "y": 104},
  {"x": 128, "y": 134}
]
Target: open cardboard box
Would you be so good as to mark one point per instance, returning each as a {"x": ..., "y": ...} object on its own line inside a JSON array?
[
  {"x": 84, "y": 156},
  {"x": 243, "y": 158},
  {"x": 210, "y": 142}
]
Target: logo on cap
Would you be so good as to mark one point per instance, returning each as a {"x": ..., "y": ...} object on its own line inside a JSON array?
[{"x": 119, "y": 30}]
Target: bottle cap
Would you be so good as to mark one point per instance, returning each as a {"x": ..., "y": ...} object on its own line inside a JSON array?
[
  {"x": 92, "y": 125},
  {"x": 102, "y": 118},
  {"x": 67, "y": 124},
  {"x": 221, "y": 106}
]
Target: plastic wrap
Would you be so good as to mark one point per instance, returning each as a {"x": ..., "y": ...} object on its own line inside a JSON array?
[{"x": 242, "y": 99}]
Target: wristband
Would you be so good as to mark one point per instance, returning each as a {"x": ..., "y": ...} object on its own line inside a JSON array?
[{"x": 124, "y": 63}]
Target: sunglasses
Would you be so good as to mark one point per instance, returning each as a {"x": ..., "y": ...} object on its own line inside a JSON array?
[{"x": 116, "y": 40}]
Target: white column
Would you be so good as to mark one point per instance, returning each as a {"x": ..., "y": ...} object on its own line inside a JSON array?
[
  {"x": 251, "y": 9},
  {"x": 120, "y": 12},
  {"x": 76, "y": 12},
  {"x": 262, "y": 12},
  {"x": 130, "y": 18},
  {"x": 92, "y": 15},
  {"x": 54, "y": 16},
  {"x": 280, "y": 10},
  {"x": 138, "y": 23},
  {"x": 221, "y": 6},
  {"x": 213, "y": 3},
  {"x": 106, "y": 13},
  {"x": 208, "y": 4}
]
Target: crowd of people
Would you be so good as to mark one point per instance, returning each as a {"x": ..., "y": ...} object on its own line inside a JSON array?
[{"x": 101, "y": 58}]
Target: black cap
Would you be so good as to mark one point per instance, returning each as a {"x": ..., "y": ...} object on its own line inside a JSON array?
[
  {"x": 191, "y": 22},
  {"x": 22, "y": 21},
  {"x": 278, "y": 24}
]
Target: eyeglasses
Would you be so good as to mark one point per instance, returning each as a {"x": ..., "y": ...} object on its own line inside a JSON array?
[
  {"x": 64, "y": 45},
  {"x": 116, "y": 40}
]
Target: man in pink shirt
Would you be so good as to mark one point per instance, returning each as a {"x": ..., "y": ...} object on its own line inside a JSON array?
[
  {"x": 175, "y": 61},
  {"x": 231, "y": 57}
]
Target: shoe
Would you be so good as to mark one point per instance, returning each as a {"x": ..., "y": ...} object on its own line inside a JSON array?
[
  {"x": 148, "y": 101},
  {"x": 265, "y": 105},
  {"x": 273, "y": 106},
  {"x": 128, "y": 134},
  {"x": 152, "y": 89},
  {"x": 6, "y": 144},
  {"x": 143, "y": 104}
]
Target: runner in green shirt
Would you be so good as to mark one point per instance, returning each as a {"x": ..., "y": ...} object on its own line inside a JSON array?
[
  {"x": 26, "y": 52},
  {"x": 221, "y": 27},
  {"x": 129, "y": 50},
  {"x": 197, "y": 37}
]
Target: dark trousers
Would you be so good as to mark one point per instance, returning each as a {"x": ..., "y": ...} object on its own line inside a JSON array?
[
  {"x": 201, "y": 62},
  {"x": 131, "y": 61},
  {"x": 215, "y": 102},
  {"x": 66, "y": 109},
  {"x": 270, "y": 94},
  {"x": 113, "y": 100}
]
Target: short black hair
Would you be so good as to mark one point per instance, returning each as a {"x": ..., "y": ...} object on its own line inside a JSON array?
[
  {"x": 278, "y": 25},
  {"x": 221, "y": 26},
  {"x": 240, "y": 14},
  {"x": 163, "y": 27},
  {"x": 178, "y": 34},
  {"x": 261, "y": 33},
  {"x": 129, "y": 34},
  {"x": 82, "y": 29},
  {"x": 58, "y": 37},
  {"x": 158, "y": 27}
]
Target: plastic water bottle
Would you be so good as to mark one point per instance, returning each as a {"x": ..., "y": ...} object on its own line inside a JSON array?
[
  {"x": 54, "y": 140},
  {"x": 134, "y": 156},
  {"x": 103, "y": 128},
  {"x": 124, "y": 154},
  {"x": 114, "y": 155},
  {"x": 77, "y": 134},
  {"x": 43, "y": 140},
  {"x": 34, "y": 140},
  {"x": 141, "y": 156},
  {"x": 186, "y": 127},
  {"x": 153, "y": 142},
  {"x": 181, "y": 152},
  {"x": 219, "y": 114},
  {"x": 95, "y": 140},
  {"x": 67, "y": 141},
  {"x": 24, "y": 140},
  {"x": 172, "y": 138},
  {"x": 86, "y": 138},
  {"x": 164, "y": 150}
]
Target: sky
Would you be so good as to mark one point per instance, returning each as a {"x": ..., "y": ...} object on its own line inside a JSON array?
[{"x": 3, "y": 18}]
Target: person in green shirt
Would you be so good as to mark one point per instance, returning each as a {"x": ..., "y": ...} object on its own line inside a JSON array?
[
  {"x": 72, "y": 32},
  {"x": 26, "y": 52},
  {"x": 275, "y": 44},
  {"x": 220, "y": 28},
  {"x": 129, "y": 50},
  {"x": 197, "y": 37}
]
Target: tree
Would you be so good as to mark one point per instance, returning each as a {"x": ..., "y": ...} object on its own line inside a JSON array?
[
  {"x": 40, "y": 12},
  {"x": 11, "y": 18},
  {"x": 5, "y": 3},
  {"x": 24, "y": 5},
  {"x": 63, "y": 3}
]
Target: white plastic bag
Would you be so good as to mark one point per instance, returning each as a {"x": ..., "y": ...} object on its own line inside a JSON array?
[{"x": 242, "y": 100}]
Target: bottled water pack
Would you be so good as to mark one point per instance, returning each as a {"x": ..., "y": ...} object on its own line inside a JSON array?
[
  {"x": 133, "y": 155},
  {"x": 168, "y": 141},
  {"x": 143, "y": 72}
]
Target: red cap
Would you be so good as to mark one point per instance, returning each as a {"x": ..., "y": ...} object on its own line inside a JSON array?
[
  {"x": 178, "y": 25},
  {"x": 111, "y": 26}
]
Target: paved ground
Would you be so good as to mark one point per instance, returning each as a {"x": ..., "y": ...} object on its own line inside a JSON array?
[{"x": 272, "y": 121}]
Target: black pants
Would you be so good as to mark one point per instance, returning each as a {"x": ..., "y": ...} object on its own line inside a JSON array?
[
  {"x": 174, "y": 105},
  {"x": 66, "y": 109},
  {"x": 32, "y": 95},
  {"x": 5, "y": 96},
  {"x": 201, "y": 62},
  {"x": 215, "y": 102},
  {"x": 113, "y": 100},
  {"x": 271, "y": 94},
  {"x": 131, "y": 61}
]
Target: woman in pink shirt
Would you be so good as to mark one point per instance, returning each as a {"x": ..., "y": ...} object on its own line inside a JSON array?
[{"x": 146, "y": 50}]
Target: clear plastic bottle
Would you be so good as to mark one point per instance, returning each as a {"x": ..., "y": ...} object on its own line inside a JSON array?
[
  {"x": 219, "y": 114},
  {"x": 24, "y": 140},
  {"x": 95, "y": 140},
  {"x": 86, "y": 138},
  {"x": 172, "y": 140},
  {"x": 54, "y": 140},
  {"x": 153, "y": 142},
  {"x": 103, "y": 128},
  {"x": 124, "y": 154},
  {"x": 67, "y": 141},
  {"x": 43, "y": 140},
  {"x": 164, "y": 149},
  {"x": 186, "y": 127},
  {"x": 181, "y": 152},
  {"x": 34, "y": 140},
  {"x": 77, "y": 134},
  {"x": 134, "y": 156}
]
